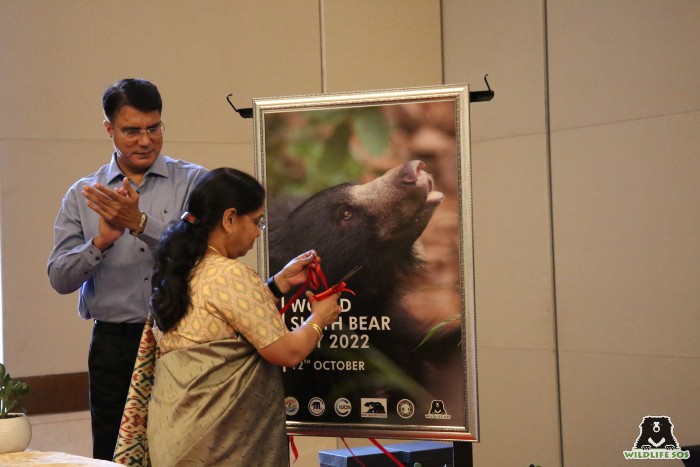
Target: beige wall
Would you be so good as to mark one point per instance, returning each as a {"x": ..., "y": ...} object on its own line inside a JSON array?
[
  {"x": 585, "y": 170},
  {"x": 587, "y": 232},
  {"x": 59, "y": 56}
]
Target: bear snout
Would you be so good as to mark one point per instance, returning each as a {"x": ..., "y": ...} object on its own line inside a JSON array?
[{"x": 413, "y": 173}]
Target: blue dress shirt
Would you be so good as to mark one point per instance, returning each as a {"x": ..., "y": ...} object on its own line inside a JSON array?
[{"x": 115, "y": 286}]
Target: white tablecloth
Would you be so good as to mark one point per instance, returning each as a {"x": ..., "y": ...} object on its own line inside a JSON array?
[{"x": 30, "y": 458}]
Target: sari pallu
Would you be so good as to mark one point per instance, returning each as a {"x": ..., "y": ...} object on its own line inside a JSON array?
[
  {"x": 218, "y": 403},
  {"x": 132, "y": 444}
]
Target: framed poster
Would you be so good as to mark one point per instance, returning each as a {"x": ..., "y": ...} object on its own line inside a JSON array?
[{"x": 379, "y": 180}]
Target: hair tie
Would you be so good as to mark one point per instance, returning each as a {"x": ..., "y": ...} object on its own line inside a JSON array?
[{"x": 189, "y": 217}]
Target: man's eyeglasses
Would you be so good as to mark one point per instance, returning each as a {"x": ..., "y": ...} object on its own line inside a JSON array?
[{"x": 154, "y": 131}]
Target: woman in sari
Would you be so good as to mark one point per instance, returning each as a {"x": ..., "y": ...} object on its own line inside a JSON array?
[{"x": 217, "y": 396}]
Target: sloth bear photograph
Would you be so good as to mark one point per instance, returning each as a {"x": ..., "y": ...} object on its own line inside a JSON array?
[{"x": 375, "y": 225}]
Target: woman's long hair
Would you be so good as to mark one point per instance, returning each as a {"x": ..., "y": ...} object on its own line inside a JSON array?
[{"x": 183, "y": 243}]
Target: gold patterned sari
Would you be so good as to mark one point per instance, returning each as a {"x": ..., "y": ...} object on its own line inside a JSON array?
[{"x": 218, "y": 403}]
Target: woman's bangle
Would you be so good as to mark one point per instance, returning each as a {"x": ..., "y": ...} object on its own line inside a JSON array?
[
  {"x": 274, "y": 288},
  {"x": 316, "y": 327}
]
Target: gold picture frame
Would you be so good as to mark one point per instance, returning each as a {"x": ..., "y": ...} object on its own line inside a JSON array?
[{"x": 376, "y": 162}]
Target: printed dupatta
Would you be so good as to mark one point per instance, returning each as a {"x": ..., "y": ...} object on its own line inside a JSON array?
[{"x": 132, "y": 442}]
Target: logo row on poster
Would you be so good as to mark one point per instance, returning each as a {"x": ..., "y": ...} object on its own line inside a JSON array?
[{"x": 370, "y": 407}]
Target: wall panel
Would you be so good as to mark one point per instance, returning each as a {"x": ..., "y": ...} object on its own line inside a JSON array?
[{"x": 381, "y": 45}]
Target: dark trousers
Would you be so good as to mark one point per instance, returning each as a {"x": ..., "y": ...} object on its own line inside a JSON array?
[{"x": 113, "y": 351}]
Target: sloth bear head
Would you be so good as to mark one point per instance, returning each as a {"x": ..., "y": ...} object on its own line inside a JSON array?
[
  {"x": 374, "y": 225},
  {"x": 656, "y": 432}
]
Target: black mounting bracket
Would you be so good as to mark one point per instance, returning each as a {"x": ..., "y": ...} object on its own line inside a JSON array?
[
  {"x": 482, "y": 96},
  {"x": 474, "y": 96},
  {"x": 244, "y": 113}
]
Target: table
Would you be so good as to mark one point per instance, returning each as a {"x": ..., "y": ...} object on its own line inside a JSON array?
[{"x": 30, "y": 458}]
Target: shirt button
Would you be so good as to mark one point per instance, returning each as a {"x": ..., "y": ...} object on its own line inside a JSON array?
[{"x": 145, "y": 279}]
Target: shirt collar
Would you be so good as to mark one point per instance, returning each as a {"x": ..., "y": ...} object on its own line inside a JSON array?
[{"x": 159, "y": 167}]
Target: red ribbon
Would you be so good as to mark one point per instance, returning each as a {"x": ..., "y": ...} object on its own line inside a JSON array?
[
  {"x": 374, "y": 441},
  {"x": 353, "y": 454},
  {"x": 314, "y": 279},
  {"x": 294, "y": 449},
  {"x": 388, "y": 454},
  {"x": 381, "y": 448}
]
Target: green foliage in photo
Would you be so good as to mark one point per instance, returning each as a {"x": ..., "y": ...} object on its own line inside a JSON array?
[{"x": 320, "y": 148}]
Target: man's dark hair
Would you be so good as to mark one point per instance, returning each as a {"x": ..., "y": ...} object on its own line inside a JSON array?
[{"x": 136, "y": 92}]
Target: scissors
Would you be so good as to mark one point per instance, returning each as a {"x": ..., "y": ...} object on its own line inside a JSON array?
[{"x": 338, "y": 287}]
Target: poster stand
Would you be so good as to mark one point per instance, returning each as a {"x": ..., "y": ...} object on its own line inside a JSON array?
[{"x": 462, "y": 454}]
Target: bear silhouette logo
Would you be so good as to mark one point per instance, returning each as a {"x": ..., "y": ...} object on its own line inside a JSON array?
[
  {"x": 437, "y": 408},
  {"x": 374, "y": 407},
  {"x": 656, "y": 432},
  {"x": 656, "y": 441}
]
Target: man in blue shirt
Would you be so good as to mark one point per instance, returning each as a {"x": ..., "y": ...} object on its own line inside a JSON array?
[{"x": 104, "y": 238}]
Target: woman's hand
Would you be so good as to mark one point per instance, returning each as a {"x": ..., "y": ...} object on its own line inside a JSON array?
[
  {"x": 294, "y": 273},
  {"x": 326, "y": 311},
  {"x": 293, "y": 347}
]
